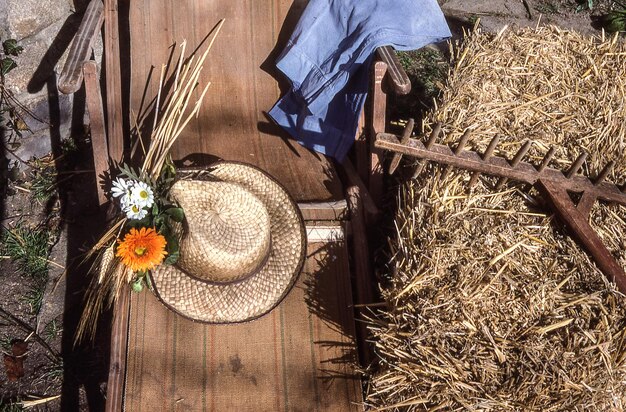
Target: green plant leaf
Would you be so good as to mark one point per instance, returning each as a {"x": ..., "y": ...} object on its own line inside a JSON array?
[
  {"x": 173, "y": 250},
  {"x": 6, "y": 65},
  {"x": 126, "y": 170},
  {"x": 137, "y": 285},
  {"x": 169, "y": 171},
  {"x": 11, "y": 47},
  {"x": 145, "y": 222},
  {"x": 584, "y": 5},
  {"x": 176, "y": 214},
  {"x": 159, "y": 223},
  {"x": 615, "y": 21}
]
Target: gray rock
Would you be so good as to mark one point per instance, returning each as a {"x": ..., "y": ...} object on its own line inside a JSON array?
[
  {"x": 23, "y": 18},
  {"x": 38, "y": 143},
  {"x": 40, "y": 59},
  {"x": 33, "y": 84}
]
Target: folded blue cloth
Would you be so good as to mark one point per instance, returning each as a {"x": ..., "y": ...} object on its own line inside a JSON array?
[{"x": 327, "y": 61}]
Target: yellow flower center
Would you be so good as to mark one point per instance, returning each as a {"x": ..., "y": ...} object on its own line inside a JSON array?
[
  {"x": 140, "y": 250},
  {"x": 143, "y": 194},
  {"x": 135, "y": 209}
]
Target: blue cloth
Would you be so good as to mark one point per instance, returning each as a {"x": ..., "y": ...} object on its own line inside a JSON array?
[{"x": 327, "y": 61}]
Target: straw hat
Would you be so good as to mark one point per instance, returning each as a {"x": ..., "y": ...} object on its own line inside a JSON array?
[{"x": 241, "y": 249}]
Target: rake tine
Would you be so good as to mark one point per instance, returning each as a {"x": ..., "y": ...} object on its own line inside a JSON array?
[
  {"x": 406, "y": 135},
  {"x": 457, "y": 151},
  {"x": 516, "y": 160},
  {"x": 578, "y": 163},
  {"x": 462, "y": 142},
  {"x": 431, "y": 141},
  {"x": 488, "y": 153},
  {"x": 433, "y": 136},
  {"x": 604, "y": 173},
  {"x": 546, "y": 159}
]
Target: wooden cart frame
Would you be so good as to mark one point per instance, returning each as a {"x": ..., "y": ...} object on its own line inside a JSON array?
[{"x": 347, "y": 198}]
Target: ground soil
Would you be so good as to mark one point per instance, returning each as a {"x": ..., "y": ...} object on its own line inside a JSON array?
[
  {"x": 43, "y": 369},
  {"x": 80, "y": 374},
  {"x": 52, "y": 365}
]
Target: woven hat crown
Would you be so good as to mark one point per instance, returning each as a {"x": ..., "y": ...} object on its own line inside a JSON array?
[
  {"x": 227, "y": 230},
  {"x": 242, "y": 245}
]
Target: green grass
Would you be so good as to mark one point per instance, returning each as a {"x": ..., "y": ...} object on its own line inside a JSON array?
[
  {"x": 43, "y": 184},
  {"x": 44, "y": 177},
  {"x": 6, "y": 343},
  {"x": 54, "y": 372},
  {"x": 472, "y": 19},
  {"x": 584, "y": 5},
  {"x": 52, "y": 330},
  {"x": 28, "y": 247},
  {"x": 427, "y": 69},
  {"x": 34, "y": 296},
  {"x": 615, "y": 19}
]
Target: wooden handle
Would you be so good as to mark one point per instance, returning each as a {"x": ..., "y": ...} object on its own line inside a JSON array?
[
  {"x": 71, "y": 77},
  {"x": 399, "y": 80}
]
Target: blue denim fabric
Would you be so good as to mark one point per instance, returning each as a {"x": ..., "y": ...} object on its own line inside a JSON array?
[{"x": 327, "y": 60}]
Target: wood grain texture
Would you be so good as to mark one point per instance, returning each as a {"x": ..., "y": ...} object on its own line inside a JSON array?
[
  {"x": 119, "y": 340},
  {"x": 71, "y": 77},
  {"x": 97, "y": 128},
  {"x": 232, "y": 124},
  {"x": 398, "y": 78},
  {"x": 113, "y": 81},
  {"x": 377, "y": 107},
  {"x": 301, "y": 355},
  {"x": 298, "y": 357}
]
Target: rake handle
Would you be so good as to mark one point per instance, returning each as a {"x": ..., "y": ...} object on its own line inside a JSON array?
[{"x": 561, "y": 203}]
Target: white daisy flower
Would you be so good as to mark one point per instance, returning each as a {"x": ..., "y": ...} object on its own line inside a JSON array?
[
  {"x": 141, "y": 194},
  {"x": 121, "y": 187},
  {"x": 134, "y": 211},
  {"x": 125, "y": 201}
]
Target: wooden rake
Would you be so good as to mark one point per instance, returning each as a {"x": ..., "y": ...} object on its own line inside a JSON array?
[{"x": 554, "y": 185}]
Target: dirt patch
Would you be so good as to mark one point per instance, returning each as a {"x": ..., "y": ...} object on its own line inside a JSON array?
[
  {"x": 41, "y": 371},
  {"x": 46, "y": 215},
  {"x": 495, "y": 14}
]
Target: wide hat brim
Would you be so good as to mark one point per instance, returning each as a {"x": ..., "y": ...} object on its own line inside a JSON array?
[{"x": 258, "y": 293}]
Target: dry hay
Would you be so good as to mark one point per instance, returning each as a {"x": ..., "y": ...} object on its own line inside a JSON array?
[
  {"x": 552, "y": 86},
  {"x": 490, "y": 305}
]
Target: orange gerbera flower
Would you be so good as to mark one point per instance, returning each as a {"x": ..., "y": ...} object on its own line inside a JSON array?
[{"x": 142, "y": 250}]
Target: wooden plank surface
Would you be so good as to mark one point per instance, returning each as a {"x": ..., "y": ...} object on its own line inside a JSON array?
[
  {"x": 113, "y": 81},
  {"x": 71, "y": 77},
  {"x": 119, "y": 340},
  {"x": 232, "y": 124},
  {"x": 93, "y": 97},
  {"x": 299, "y": 357}
]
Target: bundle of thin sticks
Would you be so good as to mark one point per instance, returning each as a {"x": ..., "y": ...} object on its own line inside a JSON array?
[{"x": 172, "y": 114}]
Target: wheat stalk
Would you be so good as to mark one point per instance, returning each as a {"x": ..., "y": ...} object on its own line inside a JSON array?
[{"x": 111, "y": 275}]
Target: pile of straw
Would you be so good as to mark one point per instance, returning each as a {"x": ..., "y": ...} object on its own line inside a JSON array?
[
  {"x": 552, "y": 86},
  {"x": 490, "y": 305}
]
